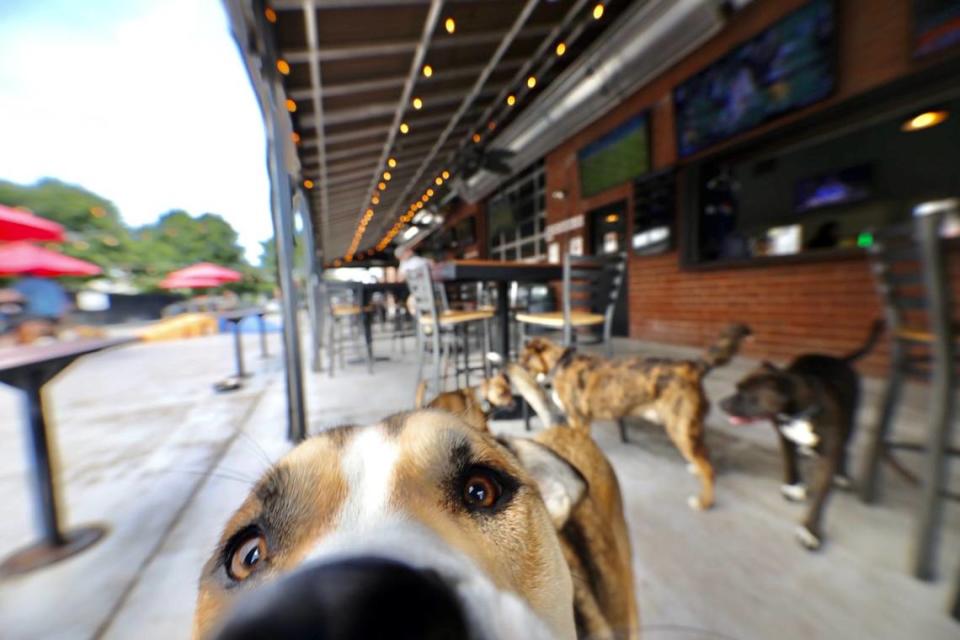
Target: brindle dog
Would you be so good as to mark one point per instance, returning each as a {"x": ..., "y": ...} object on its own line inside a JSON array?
[{"x": 669, "y": 392}]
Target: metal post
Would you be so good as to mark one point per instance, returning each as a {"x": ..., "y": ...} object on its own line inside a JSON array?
[
  {"x": 238, "y": 348},
  {"x": 45, "y": 500},
  {"x": 263, "y": 335},
  {"x": 312, "y": 280},
  {"x": 283, "y": 232}
]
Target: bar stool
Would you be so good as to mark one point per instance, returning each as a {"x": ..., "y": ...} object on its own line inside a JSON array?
[
  {"x": 910, "y": 268},
  {"x": 343, "y": 312},
  {"x": 591, "y": 286},
  {"x": 441, "y": 330}
]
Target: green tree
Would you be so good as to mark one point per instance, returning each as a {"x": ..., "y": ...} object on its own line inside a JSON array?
[{"x": 94, "y": 230}]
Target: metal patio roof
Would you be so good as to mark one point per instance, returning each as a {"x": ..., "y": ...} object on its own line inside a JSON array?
[{"x": 375, "y": 130}]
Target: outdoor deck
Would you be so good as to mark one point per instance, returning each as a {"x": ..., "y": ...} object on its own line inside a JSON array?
[{"x": 147, "y": 448}]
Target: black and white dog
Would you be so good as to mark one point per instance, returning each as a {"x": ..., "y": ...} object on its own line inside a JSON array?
[{"x": 813, "y": 405}]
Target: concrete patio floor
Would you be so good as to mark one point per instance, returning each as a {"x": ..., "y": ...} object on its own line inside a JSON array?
[{"x": 147, "y": 448}]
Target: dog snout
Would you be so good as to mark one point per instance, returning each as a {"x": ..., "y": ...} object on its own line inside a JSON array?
[{"x": 355, "y": 598}]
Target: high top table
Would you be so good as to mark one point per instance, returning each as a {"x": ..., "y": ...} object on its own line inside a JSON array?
[
  {"x": 502, "y": 273},
  {"x": 29, "y": 368}
]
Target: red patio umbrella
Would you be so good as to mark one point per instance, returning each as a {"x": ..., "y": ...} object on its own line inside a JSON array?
[
  {"x": 206, "y": 271},
  {"x": 180, "y": 282},
  {"x": 23, "y": 225},
  {"x": 23, "y": 258}
]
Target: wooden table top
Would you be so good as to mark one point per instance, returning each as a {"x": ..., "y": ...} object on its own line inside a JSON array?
[{"x": 23, "y": 356}]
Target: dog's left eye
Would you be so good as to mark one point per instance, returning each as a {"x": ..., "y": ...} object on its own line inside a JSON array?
[{"x": 481, "y": 489}]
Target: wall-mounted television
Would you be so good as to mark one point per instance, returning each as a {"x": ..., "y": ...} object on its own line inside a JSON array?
[
  {"x": 615, "y": 158},
  {"x": 936, "y": 25},
  {"x": 788, "y": 66},
  {"x": 834, "y": 188}
]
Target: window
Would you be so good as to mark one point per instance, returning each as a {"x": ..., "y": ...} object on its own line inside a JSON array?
[
  {"x": 654, "y": 210},
  {"x": 823, "y": 193},
  {"x": 517, "y": 215}
]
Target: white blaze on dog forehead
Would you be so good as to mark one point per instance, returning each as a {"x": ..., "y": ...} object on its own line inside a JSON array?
[{"x": 369, "y": 467}]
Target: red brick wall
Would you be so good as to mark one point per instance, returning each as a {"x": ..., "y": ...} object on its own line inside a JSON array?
[{"x": 824, "y": 306}]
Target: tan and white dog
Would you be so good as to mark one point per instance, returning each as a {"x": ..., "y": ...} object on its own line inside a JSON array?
[{"x": 421, "y": 526}]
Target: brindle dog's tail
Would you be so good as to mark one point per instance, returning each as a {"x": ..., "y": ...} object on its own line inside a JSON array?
[
  {"x": 726, "y": 346},
  {"x": 876, "y": 330},
  {"x": 421, "y": 395}
]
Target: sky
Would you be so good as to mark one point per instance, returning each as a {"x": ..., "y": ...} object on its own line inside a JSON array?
[{"x": 144, "y": 102}]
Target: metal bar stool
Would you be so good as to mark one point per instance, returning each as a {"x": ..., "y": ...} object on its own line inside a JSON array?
[
  {"x": 910, "y": 267},
  {"x": 443, "y": 331}
]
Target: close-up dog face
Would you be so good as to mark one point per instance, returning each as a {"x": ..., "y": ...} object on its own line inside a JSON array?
[
  {"x": 418, "y": 526},
  {"x": 498, "y": 391},
  {"x": 761, "y": 395}
]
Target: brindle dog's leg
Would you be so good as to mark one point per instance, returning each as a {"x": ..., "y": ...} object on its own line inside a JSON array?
[
  {"x": 688, "y": 438},
  {"x": 824, "y": 468},
  {"x": 792, "y": 488}
]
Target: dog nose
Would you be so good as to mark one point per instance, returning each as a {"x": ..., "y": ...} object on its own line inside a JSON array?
[{"x": 355, "y": 598}]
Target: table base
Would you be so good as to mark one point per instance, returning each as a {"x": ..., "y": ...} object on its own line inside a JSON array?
[{"x": 42, "y": 554}]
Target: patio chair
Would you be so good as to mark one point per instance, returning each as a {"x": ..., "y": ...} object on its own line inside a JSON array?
[
  {"x": 444, "y": 332},
  {"x": 591, "y": 286},
  {"x": 343, "y": 312},
  {"x": 910, "y": 267}
]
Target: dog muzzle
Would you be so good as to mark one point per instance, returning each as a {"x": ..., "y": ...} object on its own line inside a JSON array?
[{"x": 365, "y": 597}]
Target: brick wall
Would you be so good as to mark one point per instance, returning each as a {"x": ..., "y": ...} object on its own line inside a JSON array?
[{"x": 822, "y": 306}]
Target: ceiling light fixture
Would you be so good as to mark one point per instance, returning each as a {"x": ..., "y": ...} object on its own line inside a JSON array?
[{"x": 925, "y": 120}]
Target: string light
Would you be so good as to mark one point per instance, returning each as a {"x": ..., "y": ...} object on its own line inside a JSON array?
[
  {"x": 511, "y": 99},
  {"x": 531, "y": 82},
  {"x": 450, "y": 25},
  {"x": 476, "y": 138},
  {"x": 387, "y": 176},
  {"x": 283, "y": 67},
  {"x": 429, "y": 193},
  {"x": 382, "y": 186},
  {"x": 291, "y": 106},
  {"x": 295, "y": 137},
  {"x": 392, "y": 163},
  {"x": 404, "y": 128},
  {"x": 270, "y": 15},
  {"x": 417, "y": 103},
  {"x": 561, "y": 48},
  {"x": 438, "y": 181},
  {"x": 427, "y": 71},
  {"x": 308, "y": 184},
  {"x": 375, "y": 200},
  {"x": 598, "y": 11},
  {"x": 446, "y": 175}
]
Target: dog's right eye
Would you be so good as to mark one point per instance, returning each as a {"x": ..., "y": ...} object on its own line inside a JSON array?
[
  {"x": 245, "y": 553},
  {"x": 481, "y": 491}
]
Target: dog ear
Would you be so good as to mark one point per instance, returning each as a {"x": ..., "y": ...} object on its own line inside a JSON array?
[{"x": 560, "y": 484}]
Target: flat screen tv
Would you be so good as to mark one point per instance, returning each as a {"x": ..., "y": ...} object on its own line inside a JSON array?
[
  {"x": 788, "y": 66},
  {"x": 844, "y": 186},
  {"x": 936, "y": 25},
  {"x": 615, "y": 158}
]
